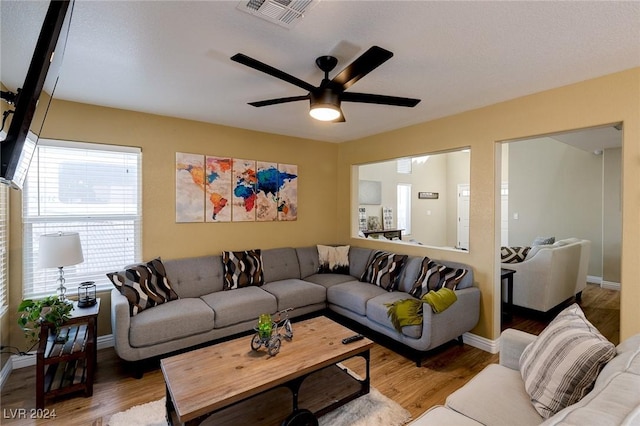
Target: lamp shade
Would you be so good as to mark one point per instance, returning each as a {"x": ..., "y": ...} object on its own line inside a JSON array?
[
  {"x": 60, "y": 249},
  {"x": 325, "y": 106}
]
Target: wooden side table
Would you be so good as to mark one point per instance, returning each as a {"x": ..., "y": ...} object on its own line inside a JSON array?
[
  {"x": 66, "y": 360},
  {"x": 507, "y": 274}
]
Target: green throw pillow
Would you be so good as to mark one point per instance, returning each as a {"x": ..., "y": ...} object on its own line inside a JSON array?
[{"x": 441, "y": 299}]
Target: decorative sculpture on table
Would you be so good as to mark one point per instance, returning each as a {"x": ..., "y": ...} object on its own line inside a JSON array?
[{"x": 269, "y": 332}]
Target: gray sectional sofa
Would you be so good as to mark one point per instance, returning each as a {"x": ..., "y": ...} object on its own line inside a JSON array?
[{"x": 204, "y": 312}]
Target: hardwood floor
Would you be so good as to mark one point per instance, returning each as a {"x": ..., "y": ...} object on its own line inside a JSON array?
[{"x": 397, "y": 377}]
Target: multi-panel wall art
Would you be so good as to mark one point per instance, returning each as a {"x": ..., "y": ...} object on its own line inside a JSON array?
[{"x": 220, "y": 189}]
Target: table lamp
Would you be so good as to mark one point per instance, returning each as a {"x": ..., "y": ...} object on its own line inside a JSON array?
[{"x": 59, "y": 250}]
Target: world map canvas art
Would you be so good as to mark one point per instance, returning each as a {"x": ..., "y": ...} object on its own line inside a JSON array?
[{"x": 220, "y": 189}]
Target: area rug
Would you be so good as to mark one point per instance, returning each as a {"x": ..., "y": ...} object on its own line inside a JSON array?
[{"x": 373, "y": 409}]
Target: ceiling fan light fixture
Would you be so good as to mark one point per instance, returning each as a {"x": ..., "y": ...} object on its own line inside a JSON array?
[{"x": 326, "y": 106}]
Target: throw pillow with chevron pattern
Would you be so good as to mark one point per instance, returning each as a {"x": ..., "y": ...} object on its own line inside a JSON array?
[{"x": 513, "y": 254}]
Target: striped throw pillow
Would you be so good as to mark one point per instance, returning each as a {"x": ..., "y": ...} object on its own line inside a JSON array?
[
  {"x": 384, "y": 270},
  {"x": 562, "y": 364}
]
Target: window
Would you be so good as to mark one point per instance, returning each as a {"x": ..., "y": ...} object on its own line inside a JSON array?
[
  {"x": 86, "y": 188},
  {"x": 4, "y": 247},
  {"x": 403, "y": 166},
  {"x": 404, "y": 208}
]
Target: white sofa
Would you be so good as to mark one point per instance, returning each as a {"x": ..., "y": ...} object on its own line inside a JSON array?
[
  {"x": 497, "y": 396},
  {"x": 550, "y": 274}
]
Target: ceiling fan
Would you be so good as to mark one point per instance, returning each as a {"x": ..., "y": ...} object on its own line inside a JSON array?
[{"x": 325, "y": 99}]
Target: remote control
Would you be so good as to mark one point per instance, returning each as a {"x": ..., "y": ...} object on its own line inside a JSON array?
[{"x": 352, "y": 339}]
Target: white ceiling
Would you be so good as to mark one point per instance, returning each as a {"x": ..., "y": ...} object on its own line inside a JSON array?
[{"x": 172, "y": 57}]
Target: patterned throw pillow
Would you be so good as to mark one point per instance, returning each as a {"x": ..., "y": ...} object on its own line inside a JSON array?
[
  {"x": 434, "y": 276},
  {"x": 541, "y": 241},
  {"x": 138, "y": 284},
  {"x": 333, "y": 260},
  {"x": 160, "y": 280},
  {"x": 242, "y": 269},
  {"x": 384, "y": 270},
  {"x": 513, "y": 254},
  {"x": 562, "y": 364}
]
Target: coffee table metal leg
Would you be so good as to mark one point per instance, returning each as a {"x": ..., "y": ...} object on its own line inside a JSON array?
[
  {"x": 169, "y": 407},
  {"x": 366, "y": 383}
]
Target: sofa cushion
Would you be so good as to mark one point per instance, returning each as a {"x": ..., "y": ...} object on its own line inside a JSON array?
[
  {"x": 242, "y": 269},
  {"x": 296, "y": 293},
  {"x": 280, "y": 264},
  {"x": 384, "y": 269},
  {"x": 170, "y": 321},
  {"x": 329, "y": 280},
  {"x": 434, "y": 276},
  {"x": 560, "y": 367},
  {"x": 513, "y": 254},
  {"x": 495, "y": 396},
  {"x": 358, "y": 260},
  {"x": 308, "y": 261},
  {"x": 442, "y": 416},
  {"x": 137, "y": 284},
  {"x": 377, "y": 311},
  {"x": 353, "y": 295},
  {"x": 243, "y": 304},
  {"x": 333, "y": 260},
  {"x": 195, "y": 276}
]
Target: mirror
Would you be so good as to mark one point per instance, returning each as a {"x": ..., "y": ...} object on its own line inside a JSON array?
[{"x": 421, "y": 200}]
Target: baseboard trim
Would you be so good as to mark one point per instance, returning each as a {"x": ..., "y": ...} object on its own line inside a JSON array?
[
  {"x": 482, "y": 343},
  {"x": 28, "y": 360},
  {"x": 5, "y": 372},
  {"x": 594, "y": 280},
  {"x": 610, "y": 285}
]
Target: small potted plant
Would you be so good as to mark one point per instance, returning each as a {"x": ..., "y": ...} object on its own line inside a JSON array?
[{"x": 34, "y": 312}]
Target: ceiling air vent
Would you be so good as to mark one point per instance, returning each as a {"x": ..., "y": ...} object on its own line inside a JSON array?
[{"x": 285, "y": 13}]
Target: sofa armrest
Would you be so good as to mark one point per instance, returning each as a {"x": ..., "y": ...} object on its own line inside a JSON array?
[
  {"x": 512, "y": 344},
  {"x": 120, "y": 323}
]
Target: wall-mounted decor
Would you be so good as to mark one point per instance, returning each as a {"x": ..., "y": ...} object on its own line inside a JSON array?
[
  {"x": 287, "y": 192},
  {"x": 428, "y": 195},
  {"x": 220, "y": 189},
  {"x": 370, "y": 192},
  {"x": 190, "y": 187},
  {"x": 387, "y": 218},
  {"x": 244, "y": 190},
  {"x": 362, "y": 218}
]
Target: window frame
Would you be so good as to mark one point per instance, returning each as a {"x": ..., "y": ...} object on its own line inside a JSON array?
[{"x": 99, "y": 229}]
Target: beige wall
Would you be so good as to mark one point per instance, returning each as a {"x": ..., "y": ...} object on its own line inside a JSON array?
[
  {"x": 612, "y": 207},
  {"x": 326, "y": 183},
  {"x": 605, "y": 100},
  {"x": 556, "y": 190},
  {"x": 160, "y": 138}
]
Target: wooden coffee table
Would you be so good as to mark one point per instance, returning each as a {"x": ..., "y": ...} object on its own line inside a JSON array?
[{"x": 210, "y": 379}]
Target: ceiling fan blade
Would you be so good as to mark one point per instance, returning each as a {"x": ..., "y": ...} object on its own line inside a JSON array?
[
  {"x": 279, "y": 101},
  {"x": 274, "y": 72},
  {"x": 378, "y": 99},
  {"x": 339, "y": 119},
  {"x": 367, "y": 62}
]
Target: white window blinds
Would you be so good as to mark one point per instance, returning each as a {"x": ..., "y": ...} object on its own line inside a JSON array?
[
  {"x": 4, "y": 247},
  {"x": 91, "y": 189}
]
